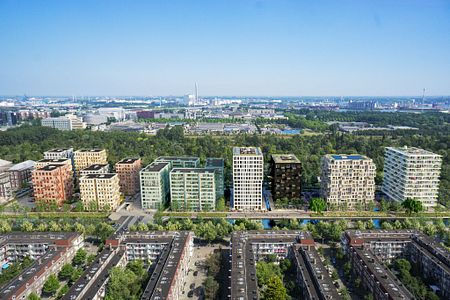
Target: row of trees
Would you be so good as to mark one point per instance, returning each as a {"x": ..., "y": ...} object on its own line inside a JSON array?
[{"x": 127, "y": 283}]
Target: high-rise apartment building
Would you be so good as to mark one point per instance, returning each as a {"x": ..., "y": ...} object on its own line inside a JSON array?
[
  {"x": 217, "y": 165},
  {"x": 85, "y": 157},
  {"x": 347, "y": 181},
  {"x": 59, "y": 153},
  {"x": 180, "y": 161},
  {"x": 95, "y": 169},
  {"x": 100, "y": 191},
  {"x": 412, "y": 173},
  {"x": 53, "y": 182},
  {"x": 285, "y": 171},
  {"x": 192, "y": 189},
  {"x": 20, "y": 174},
  {"x": 248, "y": 172},
  {"x": 128, "y": 171},
  {"x": 155, "y": 185}
]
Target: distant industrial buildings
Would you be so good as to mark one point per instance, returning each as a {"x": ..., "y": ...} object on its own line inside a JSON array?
[
  {"x": 347, "y": 181},
  {"x": 285, "y": 173},
  {"x": 67, "y": 122},
  {"x": 412, "y": 173},
  {"x": 248, "y": 173}
]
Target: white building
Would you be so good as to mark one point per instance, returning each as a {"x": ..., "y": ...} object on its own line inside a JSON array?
[
  {"x": 67, "y": 122},
  {"x": 59, "y": 153},
  {"x": 348, "y": 181},
  {"x": 412, "y": 173},
  {"x": 248, "y": 172}
]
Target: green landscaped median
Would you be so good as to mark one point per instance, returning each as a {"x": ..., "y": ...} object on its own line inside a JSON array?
[
  {"x": 176, "y": 214},
  {"x": 57, "y": 215}
]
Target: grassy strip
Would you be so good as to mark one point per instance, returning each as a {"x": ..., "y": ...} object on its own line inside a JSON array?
[
  {"x": 194, "y": 214},
  {"x": 56, "y": 215}
]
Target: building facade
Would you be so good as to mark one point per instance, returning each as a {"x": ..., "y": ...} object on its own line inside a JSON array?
[
  {"x": 53, "y": 182},
  {"x": 217, "y": 165},
  {"x": 58, "y": 153},
  {"x": 20, "y": 174},
  {"x": 100, "y": 191},
  {"x": 285, "y": 171},
  {"x": 348, "y": 181},
  {"x": 85, "y": 157},
  {"x": 412, "y": 173},
  {"x": 128, "y": 171},
  {"x": 155, "y": 185},
  {"x": 192, "y": 189},
  {"x": 6, "y": 191},
  {"x": 248, "y": 172}
]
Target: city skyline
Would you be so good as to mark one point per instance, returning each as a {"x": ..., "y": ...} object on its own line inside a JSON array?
[{"x": 244, "y": 48}]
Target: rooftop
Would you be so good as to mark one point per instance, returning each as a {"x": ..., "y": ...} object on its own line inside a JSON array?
[
  {"x": 128, "y": 160},
  {"x": 214, "y": 162},
  {"x": 28, "y": 164},
  {"x": 95, "y": 167},
  {"x": 90, "y": 150},
  {"x": 51, "y": 167},
  {"x": 100, "y": 176},
  {"x": 285, "y": 158},
  {"x": 347, "y": 157},
  {"x": 155, "y": 166},
  {"x": 412, "y": 151},
  {"x": 247, "y": 151},
  {"x": 182, "y": 158},
  {"x": 59, "y": 150},
  {"x": 191, "y": 170},
  {"x": 53, "y": 160}
]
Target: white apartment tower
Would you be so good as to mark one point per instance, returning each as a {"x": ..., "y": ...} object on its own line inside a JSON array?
[
  {"x": 248, "y": 172},
  {"x": 347, "y": 181},
  {"x": 411, "y": 173}
]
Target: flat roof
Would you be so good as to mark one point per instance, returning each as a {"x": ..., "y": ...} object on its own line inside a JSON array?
[
  {"x": 214, "y": 162},
  {"x": 128, "y": 160},
  {"x": 156, "y": 166},
  {"x": 99, "y": 176},
  {"x": 53, "y": 160},
  {"x": 412, "y": 151},
  {"x": 347, "y": 157},
  {"x": 58, "y": 150},
  {"x": 95, "y": 167},
  {"x": 90, "y": 150},
  {"x": 175, "y": 158},
  {"x": 285, "y": 158},
  {"x": 191, "y": 170},
  {"x": 247, "y": 151},
  {"x": 51, "y": 167}
]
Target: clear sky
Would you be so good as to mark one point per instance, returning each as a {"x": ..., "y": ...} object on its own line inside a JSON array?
[{"x": 230, "y": 47}]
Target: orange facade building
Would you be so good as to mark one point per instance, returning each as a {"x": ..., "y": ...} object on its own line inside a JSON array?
[
  {"x": 53, "y": 182},
  {"x": 128, "y": 171}
]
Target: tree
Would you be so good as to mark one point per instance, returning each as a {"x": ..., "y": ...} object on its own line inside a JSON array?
[
  {"x": 4, "y": 226},
  {"x": 220, "y": 204},
  {"x": 103, "y": 231},
  {"x": 275, "y": 289},
  {"x": 63, "y": 291},
  {"x": 211, "y": 288},
  {"x": 26, "y": 226},
  {"x": 412, "y": 205},
  {"x": 80, "y": 257},
  {"x": 66, "y": 272},
  {"x": 51, "y": 285},
  {"x": 318, "y": 205},
  {"x": 33, "y": 296},
  {"x": 121, "y": 284}
]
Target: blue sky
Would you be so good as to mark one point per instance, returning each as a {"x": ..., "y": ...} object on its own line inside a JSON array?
[{"x": 230, "y": 47}]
